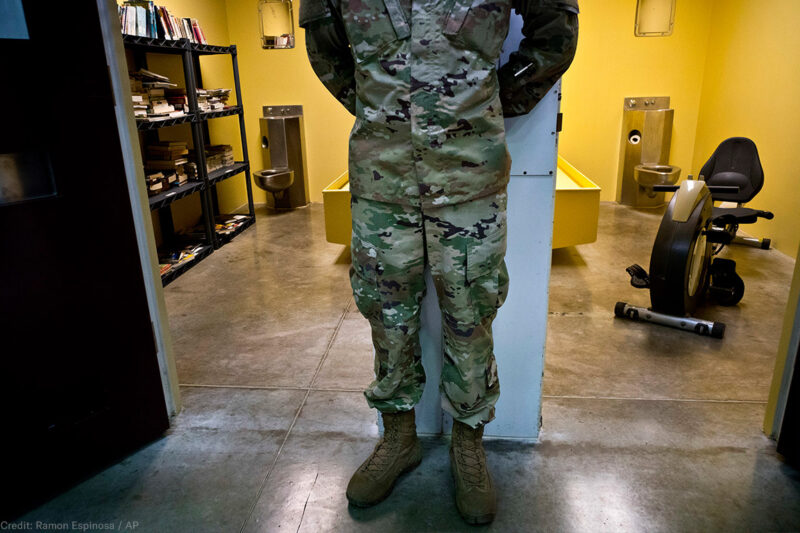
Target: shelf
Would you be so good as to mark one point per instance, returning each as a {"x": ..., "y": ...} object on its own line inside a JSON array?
[
  {"x": 234, "y": 110},
  {"x": 204, "y": 233},
  {"x": 175, "y": 193},
  {"x": 162, "y": 46},
  {"x": 177, "y": 271},
  {"x": 205, "y": 49},
  {"x": 145, "y": 125},
  {"x": 170, "y": 46},
  {"x": 224, "y": 173},
  {"x": 225, "y": 238}
]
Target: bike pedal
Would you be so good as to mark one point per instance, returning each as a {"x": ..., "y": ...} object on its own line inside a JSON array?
[
  {"x": 639, "y": 277},
  {"x": 722, "y": 267}
]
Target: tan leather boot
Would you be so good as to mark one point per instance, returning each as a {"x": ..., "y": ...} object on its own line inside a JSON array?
[
  {"x": 475, "y": 495},
  {"x": 396, "y": 453}
]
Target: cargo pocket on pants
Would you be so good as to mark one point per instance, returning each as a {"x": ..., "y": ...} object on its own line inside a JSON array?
[
  {"x": 486, "y": 273},
  {"x": 364, "y": 279}
]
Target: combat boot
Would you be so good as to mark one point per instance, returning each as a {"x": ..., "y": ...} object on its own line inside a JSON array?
[
  {"x": 397, "y": 452},
  {"x": 475, "y": 495}
]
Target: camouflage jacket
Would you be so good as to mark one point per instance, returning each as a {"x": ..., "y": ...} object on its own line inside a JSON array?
[{"x": 420, "y": 76}]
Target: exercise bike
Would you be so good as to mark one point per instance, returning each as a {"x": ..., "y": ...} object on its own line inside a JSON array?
[{"x": 683, "y": 269}]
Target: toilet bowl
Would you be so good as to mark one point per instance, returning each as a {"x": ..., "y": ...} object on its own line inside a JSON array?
[
  {"x": 274, "y": 180},
  {"x": 647, "y": 175}
]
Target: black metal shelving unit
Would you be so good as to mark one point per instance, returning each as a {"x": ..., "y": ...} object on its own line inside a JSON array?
[{"x": 205, "y": 185}]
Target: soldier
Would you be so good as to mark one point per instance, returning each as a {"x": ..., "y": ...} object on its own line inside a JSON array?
[{"x": 428, "y": 168}]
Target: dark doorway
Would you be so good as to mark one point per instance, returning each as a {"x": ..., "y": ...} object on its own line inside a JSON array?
[{"x": 78, "y": 367}]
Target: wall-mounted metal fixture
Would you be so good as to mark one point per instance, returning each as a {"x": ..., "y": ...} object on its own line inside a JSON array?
[
  {"x": 283, "y": 143},
  {"x": 277, "y": 24},
  {"x": 654, "y": 18},
  {"x": 644, "y": 151}
]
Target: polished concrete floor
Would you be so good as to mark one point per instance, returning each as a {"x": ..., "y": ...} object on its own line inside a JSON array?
[{"x": 644, "y": 428}]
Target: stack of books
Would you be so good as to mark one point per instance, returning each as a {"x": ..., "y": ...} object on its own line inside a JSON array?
[
  {"x": 148, "y": 92},
  {"x": 217, "y": 156},
  {"x": 227, "y": 224},
  {"x": 156, "y": 183},
  {"x": 145, "y": 19},
  {"x": 212, "y": 99},
  {"x": 221, "y": 155},
  {"x": 176, "y": 97},
  {"x": 167, "y": 166},
  {"x": 141, "y": 100},
  {"x": 169, "y": 260}
]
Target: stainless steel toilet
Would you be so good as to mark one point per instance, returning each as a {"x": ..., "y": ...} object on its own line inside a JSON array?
[
  {"x": 644, "y": 151},
  {"x": 283, "y": 153}
]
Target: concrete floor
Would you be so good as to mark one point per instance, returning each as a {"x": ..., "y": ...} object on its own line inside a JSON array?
[{"x": 645, "y": 428}]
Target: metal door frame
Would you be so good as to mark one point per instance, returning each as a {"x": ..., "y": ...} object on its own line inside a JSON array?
[{"x": 134, "y": 176}]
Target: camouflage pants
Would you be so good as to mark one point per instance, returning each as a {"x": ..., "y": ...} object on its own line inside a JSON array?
[{"x": 465, "y": 245}]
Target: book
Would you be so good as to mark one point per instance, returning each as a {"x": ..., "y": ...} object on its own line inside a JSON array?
[
  {"x": 178, "y": 257},
  {"x": 146, "y": 19},
  {"x": 163, "y": 28},
  {"x": 217, "y": 156},
  {"x": 162, "y": 108},
  {"x": 199, "y": 31},
  {"x": 155, "y": 183},
  {"x": 227, "y": 224},
  {"x": 186, "y": 28},
  {"x": 159, "y": 84},
  {"x": 152, "y": 164},
  {"x": 212, "y": 99},
  {"x": 141, "y": 21},
  {"x": 151, "y": 11},
  {"x": 150, "y": 74},
  {"x": 131, "y": 20}
]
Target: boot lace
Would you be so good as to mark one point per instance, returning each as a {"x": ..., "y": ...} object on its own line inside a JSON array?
[
  {"x": 471, "y": 460},
  {"x": 384, "y": 452}
]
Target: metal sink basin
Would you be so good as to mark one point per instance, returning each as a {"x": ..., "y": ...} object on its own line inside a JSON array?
[
  {"x": 649, "y": 175},
  {"x": 274, "y": 180}
]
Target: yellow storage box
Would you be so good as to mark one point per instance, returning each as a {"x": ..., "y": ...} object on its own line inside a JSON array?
[
  {"x": 336, "y": 201},
  {"x": 577, "y": 206}
]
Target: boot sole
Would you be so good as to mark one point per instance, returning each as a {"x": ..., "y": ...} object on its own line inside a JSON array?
[
  {"x": 415, "y": 462},
  {"x": 473, "y": 520}
]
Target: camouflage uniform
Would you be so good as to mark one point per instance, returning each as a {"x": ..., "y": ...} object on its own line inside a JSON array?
[{"x": 428, "y": 170}]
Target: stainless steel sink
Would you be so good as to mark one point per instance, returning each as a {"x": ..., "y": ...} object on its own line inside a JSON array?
[{"x": 648, "y": 175}]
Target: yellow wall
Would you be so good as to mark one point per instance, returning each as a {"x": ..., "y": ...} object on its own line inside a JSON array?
[
  {"x": 610, "y": 64},
  {"x": 268, "y": 77},
  {"x": 217, "y": 71},
  {"x": 284, "y": 77},
  {"x": 750, "y": 90},
  {"x": 729, "y": 68}
]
